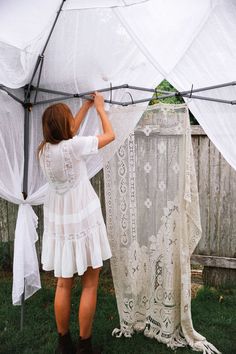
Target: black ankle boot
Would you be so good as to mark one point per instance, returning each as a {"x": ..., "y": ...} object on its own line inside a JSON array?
[
  {"x": 85, "y": 347},
  {"x": 65, "y": 344}
]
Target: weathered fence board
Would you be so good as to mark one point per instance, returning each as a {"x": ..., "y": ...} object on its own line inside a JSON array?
[
  {"x": 214, "y": 261},
  {"x": 217, "y": 194}
]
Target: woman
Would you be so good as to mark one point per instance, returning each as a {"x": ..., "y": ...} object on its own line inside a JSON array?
[{"x": 75, "y": 238}]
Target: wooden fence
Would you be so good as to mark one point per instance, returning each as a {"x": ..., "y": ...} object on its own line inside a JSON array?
[{"x": 217, "y": 191}]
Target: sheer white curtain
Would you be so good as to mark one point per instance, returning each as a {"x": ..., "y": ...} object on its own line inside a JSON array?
[
  {"x": 25, "y": 265},
  {"x": 193, "y": 43},
  {"x": 215, "y": 67},
  {"x": 153, "y": 223}
]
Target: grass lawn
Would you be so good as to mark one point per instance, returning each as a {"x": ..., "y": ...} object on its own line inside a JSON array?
[{"x": 213, "y": 313}]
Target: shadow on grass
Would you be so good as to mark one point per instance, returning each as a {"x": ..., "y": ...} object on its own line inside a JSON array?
[{"x": 213, "y": 313}]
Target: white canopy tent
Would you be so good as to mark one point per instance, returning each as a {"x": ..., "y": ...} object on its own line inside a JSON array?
[{"x": 95, "y": 44}]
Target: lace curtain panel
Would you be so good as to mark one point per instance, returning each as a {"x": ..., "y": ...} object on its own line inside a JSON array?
[{"x": 153, "y": 223}]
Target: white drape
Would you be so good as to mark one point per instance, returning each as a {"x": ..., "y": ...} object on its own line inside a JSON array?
[
  {"x": 153, "y": 224},
  {"x": 215, "y": 43},
  {"x": 25, "y": 264},
  {"x": 193, "y": 43}
]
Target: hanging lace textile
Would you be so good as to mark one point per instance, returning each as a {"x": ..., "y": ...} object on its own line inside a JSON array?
[{"x": 153, "y": 223}]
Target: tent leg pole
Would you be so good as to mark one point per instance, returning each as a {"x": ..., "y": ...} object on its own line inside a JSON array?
[
  {"x": 26, "y": 152},
  {"x": 25, "y": 178}
]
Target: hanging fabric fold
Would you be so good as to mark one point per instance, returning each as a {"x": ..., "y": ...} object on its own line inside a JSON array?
[{"x": 26, "y": 276}]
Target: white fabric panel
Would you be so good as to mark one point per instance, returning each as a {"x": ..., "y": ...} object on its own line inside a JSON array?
[
  {"x": 26, "y": 277},
  {"x": 22, "y": 22},
  {"x": 11, "y": 148},
  {"x": 210, "y": 60},
  {"x": 163, "y": 30},
  {"x": 24, "y": 27},
  {"x": 87, "y": 4},
  {"x": 192, "y": 56},
  {"x": 25, "y": 263}
]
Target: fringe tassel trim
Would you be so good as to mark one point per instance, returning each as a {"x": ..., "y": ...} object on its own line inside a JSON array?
[{"x": 176, "y": 341}]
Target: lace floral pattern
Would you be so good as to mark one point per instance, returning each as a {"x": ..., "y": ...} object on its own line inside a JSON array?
[
  {"x": 68, "y": 167},
  {"x": 86, "y": 232},
  {"x": 67, "y": 178},
  {"x": 48, "y": 163},
  {"x": 157, "y": 204}
]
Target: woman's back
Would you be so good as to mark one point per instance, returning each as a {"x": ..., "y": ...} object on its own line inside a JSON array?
[{"x": 63, "y": 164}]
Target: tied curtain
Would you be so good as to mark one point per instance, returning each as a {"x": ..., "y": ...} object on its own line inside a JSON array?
[{"x": 153, "y": 224}]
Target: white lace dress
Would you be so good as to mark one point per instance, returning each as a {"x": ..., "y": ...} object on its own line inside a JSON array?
[{"x": 75, "y": 235}]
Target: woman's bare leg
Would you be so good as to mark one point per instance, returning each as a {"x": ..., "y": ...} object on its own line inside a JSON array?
[
  {"x": 88, "y": 301},
  {"x": 62, "y": 304}
]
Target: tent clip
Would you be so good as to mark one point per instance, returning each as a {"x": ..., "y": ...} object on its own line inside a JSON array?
[
  {"x": 28, "y": 105},
  {"x": 132, "y": 101}
]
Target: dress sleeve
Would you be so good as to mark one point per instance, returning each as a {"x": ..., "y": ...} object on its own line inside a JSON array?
[{"x": 84, "y": 145}]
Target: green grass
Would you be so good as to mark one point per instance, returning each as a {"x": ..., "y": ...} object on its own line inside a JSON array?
[{"x": 213, "y": 317}]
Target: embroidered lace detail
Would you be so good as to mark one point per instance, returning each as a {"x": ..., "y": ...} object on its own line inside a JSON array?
[
  {"x": 68, "y": 167},
  {"x": 48, "y": 164},
  {"x": 87, "y": 232}
]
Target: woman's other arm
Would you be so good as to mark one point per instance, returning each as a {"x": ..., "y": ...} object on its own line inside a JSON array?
[{"x": 108, "y": 133}]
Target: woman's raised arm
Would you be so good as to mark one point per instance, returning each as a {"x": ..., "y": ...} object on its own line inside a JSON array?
[
  {"x": 81, "y": 115},
  {"x": 108, "y": 133}
]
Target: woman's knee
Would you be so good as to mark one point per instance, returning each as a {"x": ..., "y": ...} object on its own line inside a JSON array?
[
  {"x": 66, "y": 283},
  {"x": 91, "y": 277}
]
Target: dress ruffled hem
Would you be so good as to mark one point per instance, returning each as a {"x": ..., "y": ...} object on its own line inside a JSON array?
[{"x": 73, "y": 254}]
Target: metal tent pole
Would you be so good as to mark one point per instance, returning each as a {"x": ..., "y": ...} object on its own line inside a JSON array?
[
  {"x": 40, "y": 59},
  {"x": 5, "y": 89},
  {"x": 27, "y": 110},
  {"x": 164, "y": 94}
]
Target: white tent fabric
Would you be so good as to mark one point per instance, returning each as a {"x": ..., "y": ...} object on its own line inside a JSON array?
[
  {"x": 134, "y": 42},
  {"x": 193, "y": 43},
  {"x": 24, "y": 28},
  {"x": 153, "y": 223}
]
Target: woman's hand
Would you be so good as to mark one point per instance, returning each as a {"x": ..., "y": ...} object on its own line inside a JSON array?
[
  {"x": 89, "y": 103},
  {"x": 98, "y": 101}
]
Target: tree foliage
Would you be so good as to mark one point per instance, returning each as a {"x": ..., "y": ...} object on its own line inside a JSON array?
[{"x": 166, "y": 86}]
